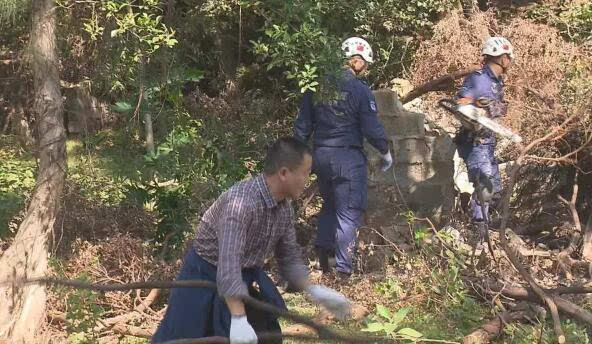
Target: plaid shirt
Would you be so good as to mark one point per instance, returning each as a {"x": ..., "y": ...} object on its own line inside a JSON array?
[{"x": 241, "y": 229}]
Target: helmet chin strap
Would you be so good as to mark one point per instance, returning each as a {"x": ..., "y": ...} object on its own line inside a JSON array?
[{"x": 504, "y": 69}]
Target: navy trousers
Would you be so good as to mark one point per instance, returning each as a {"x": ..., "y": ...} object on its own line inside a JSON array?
[
  {"x": 200, "y": 312},
  {"x": 480, "y": 160},
  {"x": 343, "y": 184}
]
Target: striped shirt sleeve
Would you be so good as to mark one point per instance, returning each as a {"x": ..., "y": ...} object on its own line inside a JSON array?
[{"x": 232, "y": 231}]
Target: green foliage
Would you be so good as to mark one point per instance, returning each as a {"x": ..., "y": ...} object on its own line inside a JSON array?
[
  {"x": 389, "y": 288},
  {"x": 16, "y": 175},
  {"x": 399, "y": 17},
  {"x": 517, "y": 333},
  {"x": 169, "y": 202},
  {"x": 82, "y": 310},
  {"x": 573, "y": 20},
  {"x": 578, "y": 22},
  {"x": 17, "y": 179},
  {"x": 82, "y": 315},
  {"x": 307, "y": 53},
  {"x": 305, "y": 40},
  {"x": 11, "y": 11},
  {"x": 576, "y": 88},
  {"x": 385, "y": 321},
  {"x": 449, "y": 286}
]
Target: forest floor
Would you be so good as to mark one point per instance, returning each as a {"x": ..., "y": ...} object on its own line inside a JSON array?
[{"x": 427, "y": 290}]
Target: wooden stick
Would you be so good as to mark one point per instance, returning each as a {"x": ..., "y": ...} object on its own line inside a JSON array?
[
  {"x": 494, "y": 327},
  {"x": 323, "y": 332},
  {"x": 437, "y": 84}
]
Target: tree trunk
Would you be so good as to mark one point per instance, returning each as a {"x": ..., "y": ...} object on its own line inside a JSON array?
[
  {"x": 22, "y": 308},
  {"x": 149, "y": 132}
]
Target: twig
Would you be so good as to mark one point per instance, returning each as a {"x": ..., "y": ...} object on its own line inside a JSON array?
[
  {"x": 309, "y": 194},
  {"x": 564, "y": 158},
  {"x": 502, "y": 230},
  {"x": 564, "y": 257},
  {"x": 549, "y": 102},
  {"x": 442, "y": 242},
  {"x": 390, "y": 243}
]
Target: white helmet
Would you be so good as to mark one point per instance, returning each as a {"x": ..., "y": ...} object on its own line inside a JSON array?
[
  {"x": 497, "y": 46},
  {"x": 357, "y": 46}
]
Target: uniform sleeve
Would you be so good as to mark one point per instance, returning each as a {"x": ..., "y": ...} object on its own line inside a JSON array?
[
  {"x": 289, "y": 255},
  {"x": 372, "y": 129},
  {"x": 475, "y": 86},
  {"x": 232, "y": 231},
  {"x": 304, "y": 125}
]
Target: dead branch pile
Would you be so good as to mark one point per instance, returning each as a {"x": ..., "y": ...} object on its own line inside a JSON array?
[{"x": 548, "y": 73}]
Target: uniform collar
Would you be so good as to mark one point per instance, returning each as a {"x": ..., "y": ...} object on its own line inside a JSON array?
[
  {"x": 490, "y": 73},
  {"x": 270, "y": 202}
]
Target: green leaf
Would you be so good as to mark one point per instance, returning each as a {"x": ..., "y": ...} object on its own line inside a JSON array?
[
  {"x": 390, "y": 328},
  {"x": 410, "y": 333},
  {"x": 374, "y": 327},
  {"x": 399, "y": 316},
  {"x": 122, "y": 107},
  {"x": 383, "y": 312}
]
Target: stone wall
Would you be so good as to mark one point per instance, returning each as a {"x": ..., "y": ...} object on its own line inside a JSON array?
[{"x": 423, "y": 166}]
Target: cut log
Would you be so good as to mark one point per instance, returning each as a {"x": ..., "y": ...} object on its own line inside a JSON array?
[
  {"x": 494, "y": 327},
  {"x": 440, "y": 84}
]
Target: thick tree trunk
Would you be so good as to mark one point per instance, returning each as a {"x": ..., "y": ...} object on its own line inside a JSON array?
[{"x": 22, "y": 309}]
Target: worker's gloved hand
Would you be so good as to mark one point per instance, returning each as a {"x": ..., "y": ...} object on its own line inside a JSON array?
[
  {"x": 386, "y": 161},
  {"x": 241, "y": 332},
  {"x": 332, "y": 300}
]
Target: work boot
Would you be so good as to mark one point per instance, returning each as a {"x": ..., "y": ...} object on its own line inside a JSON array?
[{"x": 326, "y": 262}]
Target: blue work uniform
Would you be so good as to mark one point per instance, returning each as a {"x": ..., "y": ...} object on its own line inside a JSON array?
[
  {"x": 338, "y": 129},
  {"x": 477, "y": 150}
]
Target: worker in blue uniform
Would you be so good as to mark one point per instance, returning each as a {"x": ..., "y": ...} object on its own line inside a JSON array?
[
  {"x": 338, "y": 129},
  {"x": 484, "y": 89}
]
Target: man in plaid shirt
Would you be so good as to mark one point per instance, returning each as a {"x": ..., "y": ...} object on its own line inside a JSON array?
[{"x": 248, "y": 223}]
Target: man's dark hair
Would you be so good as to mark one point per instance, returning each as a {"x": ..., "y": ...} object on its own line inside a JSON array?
[{"x": 285, "y": 152}]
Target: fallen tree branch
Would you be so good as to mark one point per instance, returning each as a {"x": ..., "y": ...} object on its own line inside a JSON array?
[
  {"x": 262, "y": 336},
  {"x": 323, "y": 332},
  {"x": 527, "y": 294},
  {"x": 564, "y": 257},
  {"x": 494, "y": 327},
  {"x": 549, "y": 102},
  {"x": 439, "y": 84},
  {"x": 128, "y": 330},
  {"x": 549, "y": 301}
]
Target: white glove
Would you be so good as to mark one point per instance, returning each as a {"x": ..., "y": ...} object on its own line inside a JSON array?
[
  {"x": 241, "y": 331},
  {"x": 333, "y": 301},
  {"x": 387, "y": 161}
]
